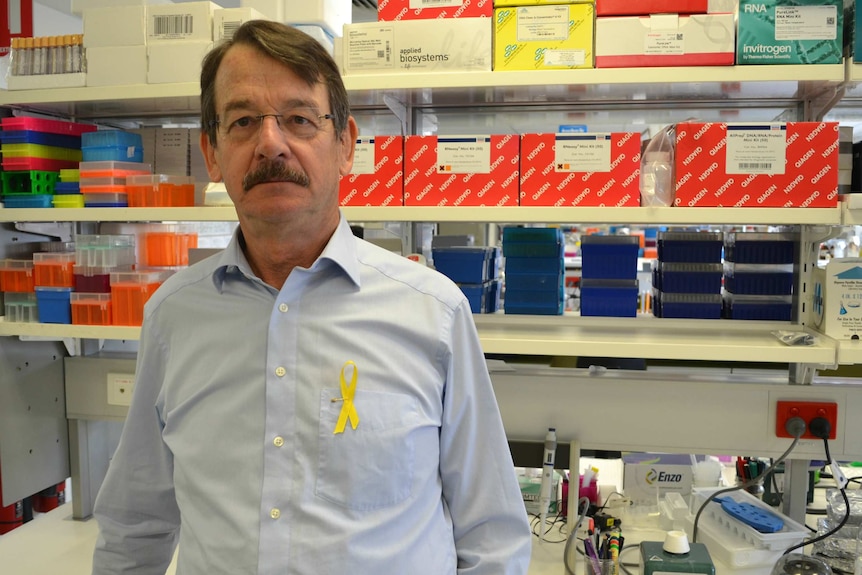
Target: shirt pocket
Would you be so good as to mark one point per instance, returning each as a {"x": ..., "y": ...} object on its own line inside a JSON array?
[{"x": 372, "y": 466}]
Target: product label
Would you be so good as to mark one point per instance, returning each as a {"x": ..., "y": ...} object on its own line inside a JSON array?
[
  {"x": 464, "y": 155},
  {"x": 756, "y": 149},
  {"x": 543, "y": 23},
  {"x": 363, "y": 157},
  {"x": 565, "y": 57},
  {"x": 806, "y": 22},
  {"x": 582, "y": 153},
  {"x": 370, "y": 48},
  {"x": 419, "y": 4},
  {"x": 664, "y": 43}
]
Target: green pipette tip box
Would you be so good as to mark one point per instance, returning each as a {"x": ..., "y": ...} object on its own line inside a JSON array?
[{"x": 655, "y": 561}]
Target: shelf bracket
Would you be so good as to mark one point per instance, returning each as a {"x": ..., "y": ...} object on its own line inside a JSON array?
[
  {"x": 818, "y": 105},
  {"x": 61, "y": 230},
  {"x": 72, "y": 344},
  {"x": 401, "y": 112}
]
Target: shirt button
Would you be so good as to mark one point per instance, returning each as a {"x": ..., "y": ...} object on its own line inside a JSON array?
[
  {"x": 280, "y": 371},
  {"x": 282, "y": 307},
  {"x": 275, "y": 513},
  {"x": 278, "y": 441}
]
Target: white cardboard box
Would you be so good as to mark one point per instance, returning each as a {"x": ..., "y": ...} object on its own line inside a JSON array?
[
  {"x": 665, "y": 40},
  {"x": 116, "y": 65},
  {"x": 115, "y": 26},
  {"x": 444, "y": 44},
  {"x": 180, "y": 61},
  {"x": 648, "y": 476},
  {"x": 185, "y": 21},
  {"x": 836, "y": 306},
  {"x": 227, "y": 20},
  {"x": 173, "y": 146},
  {"x": 331, "y": 15},
  {"x": 80, "y": 6},
  {"x": 272, "y": 9}
]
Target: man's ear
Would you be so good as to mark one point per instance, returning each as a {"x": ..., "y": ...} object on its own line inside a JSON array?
[{"x": 209, "y": 152}]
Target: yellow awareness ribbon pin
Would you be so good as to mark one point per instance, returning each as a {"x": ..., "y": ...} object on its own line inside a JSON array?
[{"x": 348, "y": 410}]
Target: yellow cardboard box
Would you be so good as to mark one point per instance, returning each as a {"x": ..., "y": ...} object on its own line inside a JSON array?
[{"x": 556, "y": 37}]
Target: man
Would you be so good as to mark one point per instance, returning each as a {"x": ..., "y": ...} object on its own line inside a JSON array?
[{"x": 306, "y": 403}]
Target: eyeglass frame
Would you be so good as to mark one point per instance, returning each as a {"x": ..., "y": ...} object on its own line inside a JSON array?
[{"x": 278, "y": 118}]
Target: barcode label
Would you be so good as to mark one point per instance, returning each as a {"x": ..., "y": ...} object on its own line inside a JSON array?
[
  {"x": 173, "y": 25},
  {"x": 228, "y": 29},
  {"x": 755, "y": 166}
]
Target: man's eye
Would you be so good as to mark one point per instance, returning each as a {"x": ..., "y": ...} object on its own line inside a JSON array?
[
  {"x": 298, "y": 120},
  {"x": 243, "y": 122}
]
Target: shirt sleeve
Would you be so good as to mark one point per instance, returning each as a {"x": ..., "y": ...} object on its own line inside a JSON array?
[
  {"x": 136, "y": 508},
  {"x": 492, "y": 533}
]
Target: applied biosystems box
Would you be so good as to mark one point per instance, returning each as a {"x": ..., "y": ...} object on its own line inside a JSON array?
[
  {"x": 444, "y": 44},
  {"x": 836, "y": 306},
  {"x": 790, "y": 32}
]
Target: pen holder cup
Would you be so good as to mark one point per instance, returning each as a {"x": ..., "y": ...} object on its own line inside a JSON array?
[{"x": 607, "y": 566}]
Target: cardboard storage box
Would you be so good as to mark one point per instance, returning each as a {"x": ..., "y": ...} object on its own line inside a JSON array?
[
  {"x": 769, "y": 165},
  {"x": 461, "y": 170},
  {"x": 227, "y": 20},
  {"x": 648, "y": 474},
  {"x": 665, "y": 40},
  {"x": 115, "y": 26},
  {"x": 447, "y": 44},
  {"x": 836, "y": 306},
  {"x": 186, "y": 21},
  {"x": 785, "y": 32},
  {"x": 544, "y": 37},
  {"x": 172, "y": 62},
  {"x": 390, "y": 10},
  {"x": 586, "y": 169},
  {"x": 116, "y": 65},
  {"x": 377, "y": 177},
  {"x": 645, "y": 7},
  {"x": 331, "y": 15}
]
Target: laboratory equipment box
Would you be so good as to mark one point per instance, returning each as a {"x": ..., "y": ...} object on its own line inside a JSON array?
[
  {"x": 554, "y": 37},
  {"x": 687, "y": 305},
  {"x": 836, "y": 305},
  {"x": 54, "y": 304},
  {"x": 674, "y": 277},
  {"x": 609, "y": 257},
  {"x": 790, "y": 32},
  {"x": 467, "y": 170},
  {"x": 758, "y": 307},
  {"x": 533, "y": 243},
  {"x": 648, "y": 475},
  {"x": 96, "y": 279},
  {"x": 91, "y": 308},
  {"x": 758, "y": 279},
  {"x": 30, "y": 201},
  {"x": 643, "y": 7},
  {"x": 482, "y": 297},
  {"x": 690, "y": 247},
  {"x": 406, "y": 46},
  {"x": 160, "y": 190},
  {"x": 390, "y": 10},
  {"x": 760, "y": 247},
  {"x": 26, "y": 182},
  {"x": 665, "y": 40},
  {"x": 766, "y": 165},
  {"x": 534, "y": 281},
  {"x": 54, "y": 269},
  {"x": 464, "y": 264},
  {"x": 580, "y": 169},
  {"x": 608, "y": 297},
  {"x": 21, "y": 307},
  {"x": 377, "y": 175},
  {"x": 16, "y": 275},
  {"x": 130, "y": 291}
]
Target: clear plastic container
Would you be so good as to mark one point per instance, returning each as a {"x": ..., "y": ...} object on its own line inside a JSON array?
[
  {"x": 160, "y": 190},
  {"x": 130, "y": 291},
  {"x": 110, "y": 169},
  {"x": 656, "y": 184},
  {"x": 169, "y": 248},
  {"x": 91, "y": 308},
  {"x": 54, "y": 269},
  {"x": 104, "y": 251},
  {"x": 21, "y": 307}
]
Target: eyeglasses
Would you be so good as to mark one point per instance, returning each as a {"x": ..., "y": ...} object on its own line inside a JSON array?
[{"x": 299, "y": 123}]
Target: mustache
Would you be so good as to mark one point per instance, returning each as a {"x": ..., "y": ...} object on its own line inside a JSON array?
[{"x": 270, "y": 171}]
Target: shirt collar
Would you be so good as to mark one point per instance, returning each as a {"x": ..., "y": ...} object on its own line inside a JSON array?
[{"x": 340, "y": 250}]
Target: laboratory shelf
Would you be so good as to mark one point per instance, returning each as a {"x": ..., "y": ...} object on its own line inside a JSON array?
[
  {"x": 514, "y": 214},
  {"x": 637, "y": 85},
  {"x": 58, "y": 330},
  {"x": 647, "y": 337}
]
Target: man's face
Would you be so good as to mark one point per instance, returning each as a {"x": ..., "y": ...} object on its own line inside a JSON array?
[{"x": 275, "y": 169}]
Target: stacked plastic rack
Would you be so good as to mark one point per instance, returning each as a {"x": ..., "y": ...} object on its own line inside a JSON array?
[
  {"x": 609, "y": 285},
  {"x": 34, "y": 151},
  {"x": 759, "y": 275},
  {"x": 687, "y": 275},
  {"x": 476, "y": 270},
  {"x": 535, "y": 271}
]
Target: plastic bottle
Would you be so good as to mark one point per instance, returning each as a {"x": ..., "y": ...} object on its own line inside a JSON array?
[{"x": 657, "y": 179}]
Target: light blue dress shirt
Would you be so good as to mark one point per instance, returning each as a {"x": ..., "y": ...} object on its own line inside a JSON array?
[{"x": 228, "y": 449}]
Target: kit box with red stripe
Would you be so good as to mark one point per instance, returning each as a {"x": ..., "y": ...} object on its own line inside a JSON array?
[
  {"x": 643, "y": 7},
  {"x": 389, "y": 10},
  {"x": 586, "y": 169},
  {"x": 769, "y": 165},
  {"x": 377, "y": 177},
  {"x": 461, "y": 170},
  {"x": 665, "y": 40}
]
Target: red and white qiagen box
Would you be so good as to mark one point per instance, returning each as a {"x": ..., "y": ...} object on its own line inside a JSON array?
[
  {"x": 461, "y": 170},
  {"x": 769, "y": 165},
  {"x": 377, "y": 177},
  {"x": 389, "y": 10},
  {"x": 580, "y": 169}
]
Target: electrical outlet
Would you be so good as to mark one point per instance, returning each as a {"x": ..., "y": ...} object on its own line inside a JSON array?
[
  {"x": 807, "y": 410},
  {"x": 120, "y": 387}
]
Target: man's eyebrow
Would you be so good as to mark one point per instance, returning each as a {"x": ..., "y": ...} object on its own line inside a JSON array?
[{"x": 245, "y": 104}]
